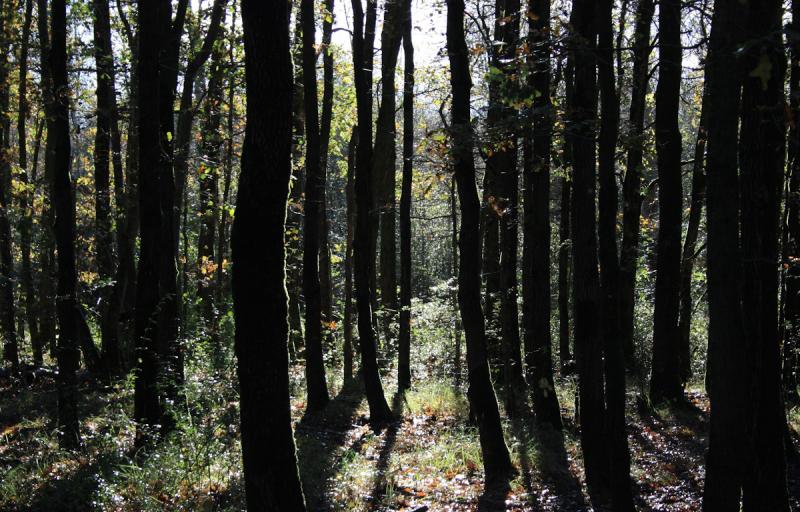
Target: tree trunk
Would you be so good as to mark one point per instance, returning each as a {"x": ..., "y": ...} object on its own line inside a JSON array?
[
  {"x": 259, "y": 277},
  {"x": 64, "y": 207},
  {"x": 404, "y": 345},
  {"x": 385, "y": 158},
  {"x": 632, "y": 183},
  {"x": 536, "y": 246},
  {"x": 347, "y": 356},
  {"x": 726, "y": 358},
  {"x": 317, "y": 388},
  {"x": 587, "y": 295},
  {"x": 457, "y": 327},
  {"x": 690, "y": 244},
  {"x": 791, "y": 257},
  {"x": 483, "y": 403},
  {"x": 761, "y": 160},
  {"x": 363, "y": 244},
  {"x": 616, "y": 432},
  {"x": 564, "y": 230},
  {"x": 7, "y": 307},
  {"x": 325, "y": 282},
  {"x": 665, "y": 381}
]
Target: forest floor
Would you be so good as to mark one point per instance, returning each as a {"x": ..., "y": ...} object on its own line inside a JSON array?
[{"x": 429, "y": 459}]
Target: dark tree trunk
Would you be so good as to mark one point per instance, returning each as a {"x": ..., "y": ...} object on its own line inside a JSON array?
[
  {"x": 761, "y": 160},
  {"x": 107, "y": 130},
  {"x": 483, "y": 403},
  {"x": 690, "y": 244},
  {"x": 317, "y": 388},
  {"x": 502, "y": 164},
  {"x": 363, "y": 244},
  {"x": 404, "y": 345},
  {"x": 385, "y": 158},
  {"x": 7, "y": 307},
  {"x": 259, "y": 272},
  {"x": 665, "y": 380},
  {"x": 211, "y": 146},
  {"x": 632, "y": 184},
  {"x": 726, "y": 358},
  {"x": 587, "y": 294},
  {"x": 147, "y": 402},
  {"x": 64, "y": 207},
  {"x": 536, "y": 248},
  {"x": 325, "y": 283},
  {"x": 347, "y": 356},
  {"x": 47, "y": 256},
  {"x": 616, "y": 432}
]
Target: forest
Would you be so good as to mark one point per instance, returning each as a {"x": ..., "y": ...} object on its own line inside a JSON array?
[{"x": 400, "y": 255}]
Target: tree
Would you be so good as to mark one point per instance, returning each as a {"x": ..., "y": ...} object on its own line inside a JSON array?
[
  {"x": 761, "y": 167},
  {"x": 363, "y": 245},
  {"x": 326, "y": 119},
  {"x": 665, "y": 381},
  {"x": 64, "y": 208},
  {"x": 586, "y": 286},
  {"x": 536, "y": 249},
  {"x": 496, "y": 460},
  {"x": 315, "y": 184},
  {"x": 7, "y": 308},
  {"x": 259, "y": 272},
  {"x": 726, "y": 358},
  {"x": 632, "y": 182},
  {"x": 404, "y": 345},
  {"x": 350, "y": 215}
]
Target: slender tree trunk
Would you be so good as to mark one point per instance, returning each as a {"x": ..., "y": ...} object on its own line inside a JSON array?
[
  {"x": 665, "y": 381},
  {"x": 791, "y": 257},
  {"x": 348, "y": 256},
  {"x": 385, "y": 158},
  {"x": 317, "y": 388},
  {"x": 690, "y": 244},
  {"x": 325, "y": 283},
  {"x": 761, "y": 160},
  {"x": 363, "y": 245},
  {"x": 64, "y": 207},
  {"x": 726, "y": 358},
  {"x": 587, "y": 293},
  {"x": 631, "y": 187},
  {"x": 32, "y": 309},
  {"x": 457, "y": 327},
  {"x": 536, "y": 246},
  {"x": 271, "y": 479},
  {"x": 616, "y": 432},
  {"x": 404, "y": 346},
  {"x": 564, "y": 230},
  {"x": 496, "y": 460}
]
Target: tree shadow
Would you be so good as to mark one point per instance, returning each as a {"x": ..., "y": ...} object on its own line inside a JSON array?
[
  {"x": 320, "y": 437},
  {"x": 551, "y": 463},
  {"x": 389, "y": 441}
]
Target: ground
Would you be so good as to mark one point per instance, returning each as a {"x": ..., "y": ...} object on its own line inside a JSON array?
[{"x": 428, "y": 458}]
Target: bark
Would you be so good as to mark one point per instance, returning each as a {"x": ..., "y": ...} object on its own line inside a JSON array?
[
  {"x": 690, "y": 251},
  {"x": 761, "y": 160},
  {"x": 363, "y": 243},
  {"x": 325, "y": 283},
  {"x": 586, "y": 286},
  {"x": 665, "y": 380},
  {"x": 631, "y": 187},
  {"x": 64, "y": 207},
  {"x": 317, "y": 388},
  {"x": 147, "y": 398},
  {"x": 347, "y": 356},
  {"x": 404, "y": 345},
  {"x": 385, "y": 158},
  {"x": 616, "y": 433},
  {"x": 564, "y": 231},
  {"x": 726, "y": 359},
  {"x": 536, "y": 245},
  {"x": 271, "y": 478},
  {"x": 7, "y": 306},
  {"x": 483, "y": 403}
]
